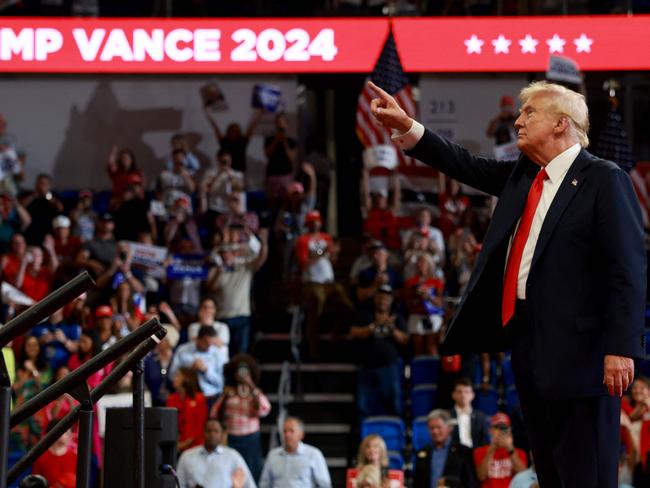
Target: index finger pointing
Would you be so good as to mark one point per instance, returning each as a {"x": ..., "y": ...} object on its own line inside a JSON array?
[{"x": 383, "y": 94}]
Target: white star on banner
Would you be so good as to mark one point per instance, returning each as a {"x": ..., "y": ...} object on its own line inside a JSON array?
[
  {"x": 501, "y": 44},
  {"x": 556, "y": 44},
  {"x": 474, "y": 44},
  {"x": 583, "y": 43},
  {"x": 528, "y": 44}
]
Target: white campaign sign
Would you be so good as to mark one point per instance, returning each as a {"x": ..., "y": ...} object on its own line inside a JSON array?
[
  {"x": 148, "y": 256},
  {"x": 118, "y": 400},
  {"x": 382, "y": 156},
  {"x": 506, "y": 152}
]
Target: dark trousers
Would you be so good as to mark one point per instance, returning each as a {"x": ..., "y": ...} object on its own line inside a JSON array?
[
  {"x": 575, "y": 441},
  {"x": 240, "y": 329},
  {"x": 250, "y": 448},
  {"x": 379, "y": 390}
]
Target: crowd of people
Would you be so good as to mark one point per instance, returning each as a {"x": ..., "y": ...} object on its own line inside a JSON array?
[
  {"x": 186, "y": 247},
  {"x": 323, "y": 7}
]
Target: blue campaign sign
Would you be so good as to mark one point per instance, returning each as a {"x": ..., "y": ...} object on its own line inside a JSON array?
[
  {"x": 187, "y": 266},
  {"x": 268, "y": 97}
]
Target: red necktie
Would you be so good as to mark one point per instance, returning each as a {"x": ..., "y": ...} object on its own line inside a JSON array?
[{"x": 517, "y": 248}]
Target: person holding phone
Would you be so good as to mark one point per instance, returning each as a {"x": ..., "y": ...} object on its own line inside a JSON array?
[
  {"x": 240, "y": 407},
  {"x": 498, "y": 462}
]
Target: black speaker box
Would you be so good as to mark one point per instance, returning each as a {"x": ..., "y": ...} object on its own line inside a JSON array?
[{"x": 160, "y": 437}]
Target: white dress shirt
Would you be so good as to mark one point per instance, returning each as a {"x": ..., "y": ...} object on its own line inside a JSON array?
[
  {"x": 214, "y": 469},
  {"x": 556, "y": 169},
  {"x": 464, "y": 427}
]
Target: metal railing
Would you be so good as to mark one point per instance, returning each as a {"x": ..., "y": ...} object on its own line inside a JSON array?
[{"x": 140, "y": 342}]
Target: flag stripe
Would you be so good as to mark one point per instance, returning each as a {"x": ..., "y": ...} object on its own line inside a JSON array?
[{"x": 389, "y": 75}]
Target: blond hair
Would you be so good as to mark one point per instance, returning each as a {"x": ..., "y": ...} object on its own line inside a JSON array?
[
  {"x": 563, "y": 102},
  {"x": 369, "y": 475},
  {"x": 361, "y": 455}
]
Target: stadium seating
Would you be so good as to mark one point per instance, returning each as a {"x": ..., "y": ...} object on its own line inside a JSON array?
[
  {"x": 395, "y": 460},
  {"x": 423, "y": 399},
  {"x": 487, "y": 401},
  {"x": 421, "y": 437},
  {"x": 391, "y": 429},
  {"x": 507, "y": 373},
  {"x": 425, "y": 370},
  {"x": 512, "y": 399}
]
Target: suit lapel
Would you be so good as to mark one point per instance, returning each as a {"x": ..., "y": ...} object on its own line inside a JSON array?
[
  {"x": 568, "y": 189},
  {"x": 511, "y": 205}
]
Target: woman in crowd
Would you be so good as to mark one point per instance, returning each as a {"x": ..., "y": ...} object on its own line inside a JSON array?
[
  {"x": 123, "y": 305},
  {"x": 31, "y": 356},
  {"x": 208, "y": 316},
  {"x": 372, "y": 450},
  {"x": 192, "y": 408},
  {"x": 156, "y": 367},
  {"x": 372, "y": 463},
  {"x": 27, "y": 385},
  {"x": 424, "y": 302},
  {"x": 122, "y": 170},
  {"x": 463, "y": 249},
  {"x": 33, "y": 278},
  {"x": 240, "y": 407}
]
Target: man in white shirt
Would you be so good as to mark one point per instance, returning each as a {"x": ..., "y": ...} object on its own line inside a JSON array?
[
  {"x": 472, "y": 426},
  {"x": 213, "y": 465},
  {"x": 560, "y": 278},
  {"x": 295, "y": 465},
  {"x": 203, "y": 356}
]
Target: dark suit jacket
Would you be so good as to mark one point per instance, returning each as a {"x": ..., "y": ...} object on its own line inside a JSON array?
[
  {"x": 460, "y": 465},
  {"x": 585, "y": 292},
  {"x": 479, "y": 423}
]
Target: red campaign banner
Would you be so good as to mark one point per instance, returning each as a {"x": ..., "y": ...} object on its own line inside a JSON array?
[
  {"x": 190, "y": 45},
  {"x": 319, "y": 45},
  {"x": 522, "y": 44}
]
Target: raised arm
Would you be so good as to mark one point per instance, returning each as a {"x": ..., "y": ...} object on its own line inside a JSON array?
[
  {"x": 253, "y": 123},
  {"x": 487, "y": 175},
  {"x": 213, "y": 123},
  {"x": 111, "y": 160}
]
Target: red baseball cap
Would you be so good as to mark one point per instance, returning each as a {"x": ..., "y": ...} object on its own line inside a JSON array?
[
  {"x": 313, "y": 216},
  {"x": 103, "y": 311},
  {"x": 500, "y": 419}
]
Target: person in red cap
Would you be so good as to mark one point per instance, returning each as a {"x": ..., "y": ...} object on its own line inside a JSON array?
[
  {"x": 502, "y": 127},
  {"x": 498, "y": 462},
  {"x": 104, "y": 325},
  {"x": 313, "y": 250}
]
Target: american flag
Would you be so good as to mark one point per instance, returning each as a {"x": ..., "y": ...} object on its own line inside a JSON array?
[
  {"x": 389, "y": 75},
  {"x": 613, "y": 145}
]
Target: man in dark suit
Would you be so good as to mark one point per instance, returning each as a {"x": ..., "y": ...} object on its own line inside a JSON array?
[
  {"x": 444, "y": 458},
  {"x": 472, "y": 426},
  {"x": 560, "y": 278}
]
